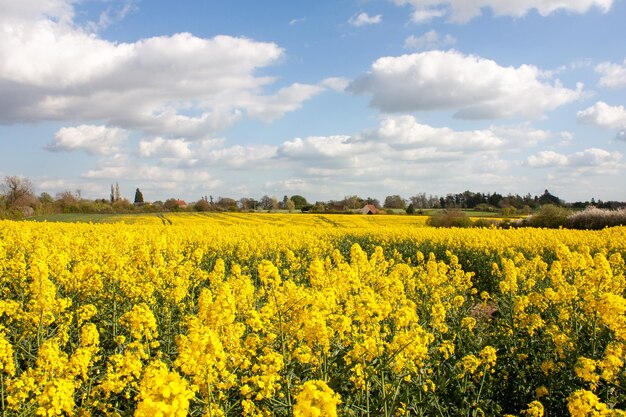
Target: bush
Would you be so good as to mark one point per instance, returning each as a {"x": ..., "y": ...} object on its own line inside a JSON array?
[
  {"x": 595, "y": 219},
  {"x": 484, "y": 223},
  {"x": 449, "y": 218},
  {"x": 549, "y": 216}
]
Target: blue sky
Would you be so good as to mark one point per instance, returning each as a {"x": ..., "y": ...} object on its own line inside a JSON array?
[{"x": 323, "y": 99}]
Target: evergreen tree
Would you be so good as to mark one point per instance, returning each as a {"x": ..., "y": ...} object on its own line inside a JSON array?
[{"x": 138, "y": 197}]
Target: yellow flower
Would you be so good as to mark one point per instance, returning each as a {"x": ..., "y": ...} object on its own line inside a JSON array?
[
  {"x": 586, "y": 370},
  {"x": 542, "y": 391},
  {"x": 141, "y": 322},
  {"x": 535, "y": 409},
  {"x": 56, "y": 398},
  {"x": 7, "y": 364},
  {"x": 488, "y": 357},
  {"x": 583, "y": 403},
  {"x": 469, "y": 364},
  {"x": 163, "y": 393},
  {"x": 316, "y": 399},
  {"x": 468, "y": 323}
]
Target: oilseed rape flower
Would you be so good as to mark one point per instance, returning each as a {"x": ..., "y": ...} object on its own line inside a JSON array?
[
  {"x": 7, "y": 362},
  {"x": 583, "y": 403},
  {"x": 163, "y": 393},
  {"x": 275, "y": 315},
  {"x": 535, "y": 409},
  {"x": 316, "y": 399}
]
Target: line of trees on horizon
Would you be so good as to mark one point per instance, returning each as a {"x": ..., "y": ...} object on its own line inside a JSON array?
[{"x": 18, "y": 199}]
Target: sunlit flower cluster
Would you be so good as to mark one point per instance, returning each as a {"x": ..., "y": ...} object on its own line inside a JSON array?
[{"x": 297, "y": 315}]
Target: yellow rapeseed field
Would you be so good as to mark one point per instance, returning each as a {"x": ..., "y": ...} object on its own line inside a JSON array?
[{"x": 309, "y": 315}]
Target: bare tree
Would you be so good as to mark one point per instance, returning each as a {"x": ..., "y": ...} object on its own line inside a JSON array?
[{"x": 18, "y": 192}]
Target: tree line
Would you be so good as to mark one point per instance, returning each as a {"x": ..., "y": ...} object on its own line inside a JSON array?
[{"x": 18, "y": 199}]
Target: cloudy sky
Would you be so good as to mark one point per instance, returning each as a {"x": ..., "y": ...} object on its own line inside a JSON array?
[{"x": 321, "y": 98}]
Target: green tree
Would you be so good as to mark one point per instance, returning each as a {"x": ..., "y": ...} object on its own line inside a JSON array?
[
  {"x": 299, "y": 201},
  {"x": 549, "y": 216},
  {"x": 394, "y": 202},
  {"x": 138, "y": 197},
  {"x": 202, "y": 205}
]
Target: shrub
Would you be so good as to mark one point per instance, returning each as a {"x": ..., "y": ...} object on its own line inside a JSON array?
[
  {"x": 484, "y": 223},
  {"x": 449, "y": 218},
  {"x": 549, "y": 216},
  {"x": 595, "y": 219}
]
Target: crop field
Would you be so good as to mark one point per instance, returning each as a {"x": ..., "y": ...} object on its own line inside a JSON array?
[{"x": 309, "y": 315}]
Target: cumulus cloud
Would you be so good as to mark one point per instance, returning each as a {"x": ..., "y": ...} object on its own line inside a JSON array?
[
  {"x": 603, "y": 115},
  {"x": 429, "y": 40},
  {"x": 547, "y": 159},
  {"x": 477, "y": 88},
  {"x": 462, "y": 11},
  {"x": 399, "y": 153},
  {"x": 591, "y": 159},
  {"x": 335, "y": 83},
  {"x": 287, "y": 99},
  {"x": 402, "y": 139},
  {"x": 397, "y": 141},
  {"x": 612, "y": 75},
  {"x": 95, "y": 140},
  {"x": 148, "y": 173},
  {"x": 363, "y": 19},
  {"x": 164, "y": 148},
  {"x": 178, "y": 85},
  {"x": 405, "y": 132},
  {"x": 58, "y": 10}
]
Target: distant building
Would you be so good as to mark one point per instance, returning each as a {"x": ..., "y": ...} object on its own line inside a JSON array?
[
  {"x": 369, "y": 209},
  {"x": 181, "y": 204}
]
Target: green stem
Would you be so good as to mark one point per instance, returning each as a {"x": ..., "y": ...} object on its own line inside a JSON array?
[
  {"x": 4, "y": 409},
  {"x": 480, "y": 390},
  {"x": 382, "y": 380}
]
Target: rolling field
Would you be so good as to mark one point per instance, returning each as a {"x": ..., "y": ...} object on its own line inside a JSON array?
[{"x": 309, "y": 315}]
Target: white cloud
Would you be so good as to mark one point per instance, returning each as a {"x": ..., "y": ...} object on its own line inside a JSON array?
[
  {"x": 59, "y": 10},
  {"x": 399, "y": 153},
  {"x": 402, "y": 139},
  {"x": 462, "y": 11},
  {"x": 179, "y": 85},
  {"x": 405, "y": 132},
  {"x": 477, "y": 88},
  {"x": 613, "y": 75},
  {"x": 547, "y": 159},
  {"x": 242, "y": 157},
  {"x": 363, "y": 19},
  {"x": 287, "y": 99},
  {"x": 591, "y": 159},
  {"x": 111, "y": 15},
  {"x": 426, "y": 15},
  {"x": 603, "y": 115},
  {"x": 95, "y": 140},
  {"x": 594, "y": 157},
  {"x": 148, "y": 173},
  {"x": 208, "y": 152},
  {"x": 429, "y": 40},
  {"x": 164, "y": 148},
  {"x": 335, "y": 83},
  {"x": 296, "y": 21}
]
